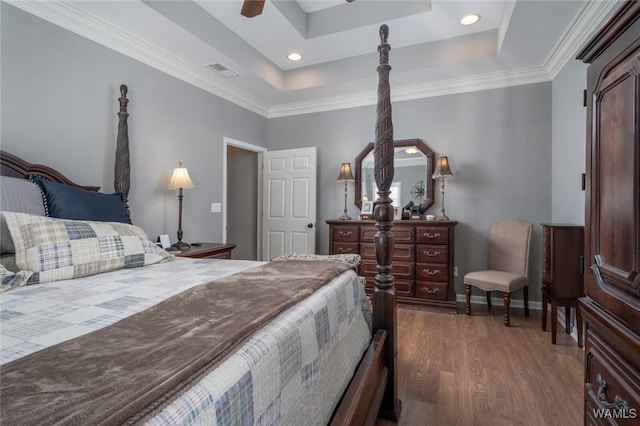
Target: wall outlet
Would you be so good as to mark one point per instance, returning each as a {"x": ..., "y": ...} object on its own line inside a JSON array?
[
  {"x": 455, "y": 271},
  {"x": 216, "y": 207}
]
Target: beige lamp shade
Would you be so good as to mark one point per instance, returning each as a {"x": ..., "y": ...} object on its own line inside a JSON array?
[
  {"x": 345, "y": 173},
  {"x": 442, "y": 167},
  {"x": 180, "y": 178}
]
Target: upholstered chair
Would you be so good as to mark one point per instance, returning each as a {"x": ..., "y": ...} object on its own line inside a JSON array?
[{"x": 507, "y": 265}]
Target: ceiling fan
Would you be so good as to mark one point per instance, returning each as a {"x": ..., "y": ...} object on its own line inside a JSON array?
[{"x": 251, "y": 8}]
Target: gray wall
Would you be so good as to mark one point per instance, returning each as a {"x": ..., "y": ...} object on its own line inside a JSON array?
[
  {"x": 569, "y": 149},
  {"x": 59, "y": 106},
  {"x": 498, "y": 143}
]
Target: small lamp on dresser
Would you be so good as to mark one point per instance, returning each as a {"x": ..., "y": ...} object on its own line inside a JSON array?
[
  {"x": 345, "y": 176},
  {"x": 180, "y": 180},
  {"x": 442, "y": 171}
]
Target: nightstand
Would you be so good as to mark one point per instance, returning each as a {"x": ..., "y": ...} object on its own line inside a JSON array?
[{"x": 208, "y": 251}]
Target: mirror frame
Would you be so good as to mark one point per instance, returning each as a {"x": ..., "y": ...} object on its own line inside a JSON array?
[{"x": 422, "y": 147}]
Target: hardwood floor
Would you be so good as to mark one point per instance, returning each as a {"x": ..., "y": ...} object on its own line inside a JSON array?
[{"x": 472, "y": 370}]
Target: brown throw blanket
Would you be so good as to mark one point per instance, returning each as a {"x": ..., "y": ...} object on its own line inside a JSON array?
[{"x": 125, "y": 371}]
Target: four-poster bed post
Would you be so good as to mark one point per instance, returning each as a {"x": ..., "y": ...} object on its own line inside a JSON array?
[
  {"x": 384, "y": 295},
  {"x": 122, "y": 181}
]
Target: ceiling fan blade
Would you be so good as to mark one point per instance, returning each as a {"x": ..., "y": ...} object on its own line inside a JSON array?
[{"x": 251, "y": 8}]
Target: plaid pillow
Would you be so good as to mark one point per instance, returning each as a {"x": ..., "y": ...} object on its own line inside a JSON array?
[{"x": 59, "y": 249}]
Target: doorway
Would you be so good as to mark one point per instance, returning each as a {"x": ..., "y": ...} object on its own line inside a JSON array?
[{"x": 242, "y": 198}]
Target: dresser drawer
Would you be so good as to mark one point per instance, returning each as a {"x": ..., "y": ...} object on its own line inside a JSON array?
[
  {"x": 432, "y": 271},
  {"x": 401, "y": 270},
  {"x": 345, "y": 233},
  {"x": 401, "y": 252},
  {"x": 432, "y": 235},
  {"x": 610, "y": 383},
  {"x": 344, "y": 248},
  {"x": 401, "y": 234},
  {"x": 431, "y": 290},
  {"x": 432, "y": 254}
]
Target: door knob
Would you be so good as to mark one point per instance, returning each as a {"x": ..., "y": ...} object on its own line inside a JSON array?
[{"x": 309, "y": 225}]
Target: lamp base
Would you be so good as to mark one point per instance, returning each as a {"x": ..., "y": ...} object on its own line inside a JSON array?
[
  {"x": 442, "y": 217},
  {"x": 181, "y": 245},
  {"x": 344, "y": 217}
]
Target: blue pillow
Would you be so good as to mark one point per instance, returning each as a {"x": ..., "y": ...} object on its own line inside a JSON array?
[{"x": 67, "y": 202}]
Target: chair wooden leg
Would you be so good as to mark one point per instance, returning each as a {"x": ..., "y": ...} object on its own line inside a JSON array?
[
  {"x": 489, "y": 299},
  {"x": 567, "y": 319},
  {"x": 526, "y": 301},
  {"x": 467, "y": 292},
  {"x": 507, "y": 300}
]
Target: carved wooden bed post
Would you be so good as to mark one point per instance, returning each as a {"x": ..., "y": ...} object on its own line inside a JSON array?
[
  {"x": 384, "y": 293},
  {"x": 122, "y": 182}
]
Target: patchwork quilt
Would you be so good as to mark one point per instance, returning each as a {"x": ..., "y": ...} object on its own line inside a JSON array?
[{"x": 292, "y": 371}]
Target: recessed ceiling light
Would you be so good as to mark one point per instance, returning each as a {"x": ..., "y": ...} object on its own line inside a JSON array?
[
  {"x": 294, "y": 56},
  {"x": 470, "y": 19}
]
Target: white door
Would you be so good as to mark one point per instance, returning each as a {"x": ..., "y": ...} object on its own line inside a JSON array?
[{"x": 289, "y": 202}]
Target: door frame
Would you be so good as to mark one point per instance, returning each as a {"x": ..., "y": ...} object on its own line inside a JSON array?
[{"x": 248, "y": 147}]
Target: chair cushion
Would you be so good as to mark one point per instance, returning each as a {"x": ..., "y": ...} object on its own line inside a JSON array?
[{"x": 491, "y": 280}]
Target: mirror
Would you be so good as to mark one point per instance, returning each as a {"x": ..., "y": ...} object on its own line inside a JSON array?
[{"x": 413, "y": 163}]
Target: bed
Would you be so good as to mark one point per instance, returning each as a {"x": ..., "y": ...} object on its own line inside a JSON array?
[{"x": 139, "y": 336}]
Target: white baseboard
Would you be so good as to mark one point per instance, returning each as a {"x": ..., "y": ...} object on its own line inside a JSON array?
[{"x": 497, "y": 301}]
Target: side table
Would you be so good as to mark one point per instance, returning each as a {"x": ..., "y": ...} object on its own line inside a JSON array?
[
  {"x": 208, "y": 251},
  {"x": 562, "y": 273}
]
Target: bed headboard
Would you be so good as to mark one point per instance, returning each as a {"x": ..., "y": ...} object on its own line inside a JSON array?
[{"x": 14, "y": 166}]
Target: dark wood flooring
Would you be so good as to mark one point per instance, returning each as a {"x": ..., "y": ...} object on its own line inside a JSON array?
[{"x": 472, "y": 370}]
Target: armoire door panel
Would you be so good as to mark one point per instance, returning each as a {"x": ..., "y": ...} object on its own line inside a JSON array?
[{"x": 617, "y": 187}]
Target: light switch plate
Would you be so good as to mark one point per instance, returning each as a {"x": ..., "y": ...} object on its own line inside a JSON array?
[{"x": 216, "y": 207}]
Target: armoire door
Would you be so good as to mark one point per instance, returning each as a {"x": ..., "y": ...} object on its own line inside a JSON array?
[{"x": 613, "y": 198}]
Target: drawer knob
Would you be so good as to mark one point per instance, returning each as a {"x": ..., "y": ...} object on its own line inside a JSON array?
[
  {"x": 345, "y": 233},
  {"x": 430, "y": 272},
  {"x": 432, "y": 253},
  {"x": 345, "y": 250},
  {"x": 617, "y": 404},
  {"x": 430, "y": 235},
  {"x": 429, "y": 290}
]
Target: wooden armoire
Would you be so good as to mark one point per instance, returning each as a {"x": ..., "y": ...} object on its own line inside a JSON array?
[{"x": 611, "y": 305}]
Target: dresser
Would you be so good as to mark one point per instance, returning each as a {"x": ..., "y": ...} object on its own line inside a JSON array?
[
  {"x": 611, "y": 306},
  {"x": 422, "y": 259},
  {"x": 562, "y": 266}
]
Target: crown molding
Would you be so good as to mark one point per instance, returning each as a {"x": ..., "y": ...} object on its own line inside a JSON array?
[
  {"x": 72, "y": 19},
  {"x": 65, "y": 15},
  {"x": 586, "y": 22},
  {"x": 417, "y": 91}
]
